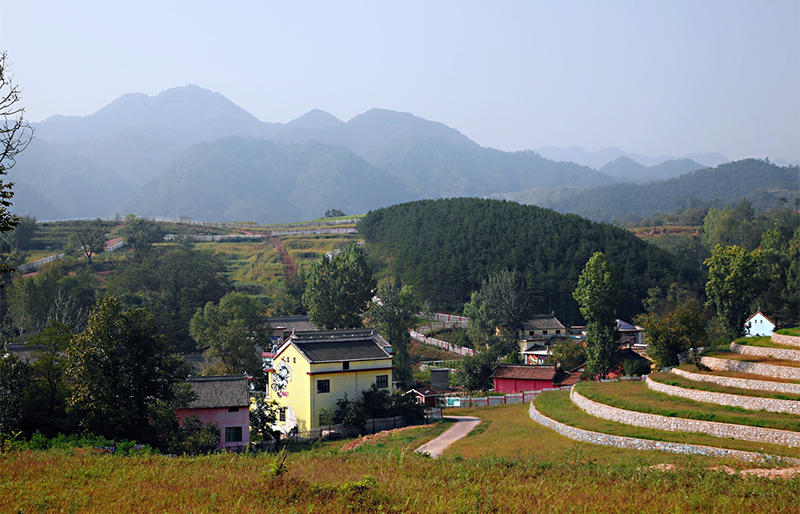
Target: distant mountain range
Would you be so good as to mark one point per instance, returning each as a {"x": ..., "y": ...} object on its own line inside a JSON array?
[
  {"x": 192, "y": 152},
  {"x": 598, "y": 158},
  {"x": 763, "y": 183}
]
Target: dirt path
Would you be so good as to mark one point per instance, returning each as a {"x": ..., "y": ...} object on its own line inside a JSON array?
[
  {"x": 463, "y": 426},
  {"x": 289, "y": 267}
]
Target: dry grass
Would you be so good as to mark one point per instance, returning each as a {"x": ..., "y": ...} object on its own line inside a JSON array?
[{"x": 394, "y": 480}]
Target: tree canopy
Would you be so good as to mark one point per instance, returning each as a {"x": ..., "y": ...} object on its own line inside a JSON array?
[
  {"x": 596, "y": 294},
  {"x": 338, "y": 289}
]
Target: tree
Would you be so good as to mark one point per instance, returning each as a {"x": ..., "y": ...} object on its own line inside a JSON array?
[
  {"x": 500, "y": 303},
  {"x": 596, "y": 295},
  {"x": 392, "y": 316},
  {"x": 475, "y": 372},
  {"x": 678, "y": 329},
  {"x": 119, "y": 366},
  {"x": 21, "y": 238},
  {"x": 15, "y": 134},
  {"x": 263, "y": 415},
  {"x": 333, "y": 213},
  {"x": 140, "y": 234},
  {"x": 47, "y": 371},
  {"x": 568, "y": 353},
  {"x": 338, "y": 289},
  {"x": 90, "y": 238},
  {"x": 734, "y": 281},
  {"x": 230, "y": 332},
  {"x": 14, "y": 386}
]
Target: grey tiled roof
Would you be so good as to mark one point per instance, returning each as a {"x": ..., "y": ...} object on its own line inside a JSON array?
[
  {"x": 219, "y": 392},
  {"x": 291, "y": 323},
  {"x": 340, "y": 345},
  {"x": 542, "y": 322}
]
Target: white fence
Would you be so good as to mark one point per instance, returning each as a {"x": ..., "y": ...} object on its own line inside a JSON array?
[
  {"x": 450, "y": 347},
  {"x": 460, "y": 321},
  {"x": 41, "y": 262}
]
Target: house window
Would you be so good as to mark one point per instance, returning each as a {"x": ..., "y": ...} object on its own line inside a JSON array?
[
  {"x": 233, "y": 409},
  {"x": 558, "y": 331},
  {"x": 382, "y": 381},
  {"x": 544, "y": 332},
  {"x": 233, "y": 434},
  {"x": 530, "y": 332},
  {"x": 324, "y": 386},
  {"x": 345, "y": 365},
  {"x": 282, "y": 414}
]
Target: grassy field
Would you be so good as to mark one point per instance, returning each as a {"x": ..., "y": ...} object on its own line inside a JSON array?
[
  {"x": 637, "y": 397},
  {"x": 736, "y": 374},
  {"x": 764, "y": 342},
  {"x": 389, "y": 477},
  {"x": 794, "y": 331},
  {"x": 557, "y": 405},
  {"x": 751, "y": 358},
  {"x": 675, "y": 380}
]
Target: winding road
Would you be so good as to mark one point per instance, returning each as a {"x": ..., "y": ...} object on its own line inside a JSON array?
[{"x": 463, "y": 426}]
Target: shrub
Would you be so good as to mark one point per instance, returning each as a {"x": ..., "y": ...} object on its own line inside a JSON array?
[{"x": 635, "y": 367}]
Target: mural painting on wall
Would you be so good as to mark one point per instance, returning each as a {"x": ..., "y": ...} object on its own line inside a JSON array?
[{"x": 282, "y": 377}]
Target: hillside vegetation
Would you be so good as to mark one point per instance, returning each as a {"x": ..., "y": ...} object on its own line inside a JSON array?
[
  {"x": 446, "y": 247},
  {"x": 762, "y": 183}
]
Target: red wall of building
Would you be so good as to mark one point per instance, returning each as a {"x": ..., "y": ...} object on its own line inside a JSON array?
[{"x": 518, "y": 385}]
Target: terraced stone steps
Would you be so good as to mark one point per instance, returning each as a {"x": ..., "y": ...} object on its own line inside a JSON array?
[
  {"x": 782, "y": 353},
  {"x": 743, "y": 401},
  {"x": 679, "y": 424},
  {"x": 555, "y": 410},
  {"x": 731, "y": 385}
]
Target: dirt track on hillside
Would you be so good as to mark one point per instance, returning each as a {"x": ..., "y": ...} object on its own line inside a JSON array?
[{"x": 289, "y": 267}]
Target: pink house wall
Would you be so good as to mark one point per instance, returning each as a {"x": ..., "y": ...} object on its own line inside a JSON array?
[{"x": 223, "y": 418}]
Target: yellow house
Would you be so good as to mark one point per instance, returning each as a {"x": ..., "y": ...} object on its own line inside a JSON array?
[{"x": 312, "y": 370}]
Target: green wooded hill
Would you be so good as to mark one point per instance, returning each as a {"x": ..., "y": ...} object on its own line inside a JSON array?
[
  {"x": 761, "y": 182},
  {"x": 444, "y": 248}
]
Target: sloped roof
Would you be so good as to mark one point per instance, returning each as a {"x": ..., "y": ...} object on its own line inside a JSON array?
[
  {"x": 542, "y": 322},
  {"x": 525, "y": 372},
  {"x": 756, "y": 314},
  {"x": 219, "y": 392},
  {"x": 297, "y": 323},
  {"x": 567, "y": 378},
  {"x": 339, "y": 345},
  {"x": 624, "y": 326}
]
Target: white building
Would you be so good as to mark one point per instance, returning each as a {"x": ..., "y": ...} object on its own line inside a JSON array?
[{"x": 758, "y": 325}]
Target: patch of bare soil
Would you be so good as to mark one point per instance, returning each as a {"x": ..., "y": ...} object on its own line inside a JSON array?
[{"x": 373, "y": 438}]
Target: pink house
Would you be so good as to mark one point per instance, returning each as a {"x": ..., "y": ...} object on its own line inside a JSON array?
[{"x": 223, "y": 400}]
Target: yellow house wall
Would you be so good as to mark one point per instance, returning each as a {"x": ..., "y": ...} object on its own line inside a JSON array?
[
  {"x": 298, "y": 390},
  {"x": 352, "y": 382}
]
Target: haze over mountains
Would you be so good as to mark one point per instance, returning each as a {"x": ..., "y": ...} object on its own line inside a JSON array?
[{"x": 192, "y": 152}]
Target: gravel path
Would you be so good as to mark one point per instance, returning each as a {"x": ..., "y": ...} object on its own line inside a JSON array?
[{"x": 463, "y": 426}]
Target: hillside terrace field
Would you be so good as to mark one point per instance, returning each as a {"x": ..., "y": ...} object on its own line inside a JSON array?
[
  {"x": 636, "y": 396},
  {"x": 508, "y": 464}
]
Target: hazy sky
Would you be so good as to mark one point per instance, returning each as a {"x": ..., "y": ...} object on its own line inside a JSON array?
[{"x": 656, "y": 77}]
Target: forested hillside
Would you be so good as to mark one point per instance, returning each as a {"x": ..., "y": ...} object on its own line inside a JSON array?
[
  {"x": 762, "y": 183},
  {"x": 444, "y": 248}
]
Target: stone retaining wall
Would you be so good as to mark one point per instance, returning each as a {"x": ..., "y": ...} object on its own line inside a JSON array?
[
  {"x": 762, "y": 351},
  {"x": 756, "y": 368},
  {"x": 743, "y": 383},
  {"x": 734, "y": 400},
  {"x": 642, "y": 419},
  {"x": 633, "y": 443},
  {"x": 787, "y": 340}
]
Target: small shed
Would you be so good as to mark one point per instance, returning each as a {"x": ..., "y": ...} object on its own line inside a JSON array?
[
  {"x": 427, "y": 396},
  {"x": 515, "y": 379},
  {"x": 759, "y": 325},
  {"x": 223, "y": 400}
]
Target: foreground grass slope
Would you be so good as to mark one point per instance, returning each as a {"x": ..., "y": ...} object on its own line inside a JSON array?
[{"x": 518, "y": 466}]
